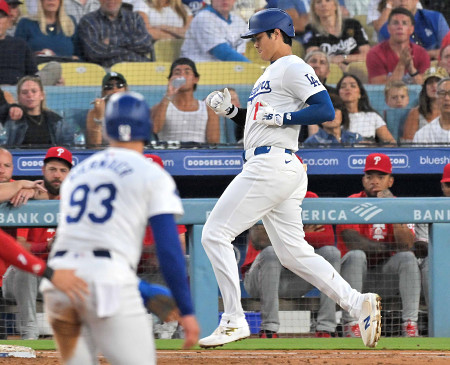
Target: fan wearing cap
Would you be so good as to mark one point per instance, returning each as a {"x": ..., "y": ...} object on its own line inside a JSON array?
[
  {"x": 398, "y": 58},
  {"x": 437, "y": 132},
  {"x": 19, "y": 285},
  {"x": 428, "y": 108},
  {"x": 379, "y": 251},
  {"x": 113, "y": 82},
  {"x": 179, "y": 116},
  {"x": 14, "y": 15}
]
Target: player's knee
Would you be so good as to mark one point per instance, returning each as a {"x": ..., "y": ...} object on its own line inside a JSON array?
[{"x": 268, "y": 256}]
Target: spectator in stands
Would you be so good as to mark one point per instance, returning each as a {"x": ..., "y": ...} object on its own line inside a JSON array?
[
  {"x": 396, "y": 95},
  {"x": 14, "y": 15},
  {"x": 112, "y": 83},
  {"x": 246, "y": 8},
  {"x": 166, "y": 19},
  {"x": 215, "y": 34},
  {"x": 335, "y": 133},
  {"x": 111, "y": 34},
  {"x": 179, "y": 116},
  {"x": 438, "y": 130},
  {"x": 353, "y": 7},
  {"x": 445, "y": 58},
  {"x": 445, "y": 41},
  {"x": 378, "y": 12},
  {"x": 343, "y": 40},
  {"x": 379, "y": 256},
  {"x": 267, "y": 279},
  {"x": 398, "y": 58},
  {"x": 299, "y": 12},
  {"x": 22, "y": 286},
  {"x": 79, "y": 8},
  {"x": 364, "y": 120},
  {"x": 428, "y": 108},
  {"x": 16, "y": 59},
  {"x": 30, "y": 122},
  {"x": 431, "y": 27},
  {"x": 50, "y": 33}
]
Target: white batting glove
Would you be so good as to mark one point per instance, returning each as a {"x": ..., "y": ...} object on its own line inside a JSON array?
[
  {"x": 267, "y": 115},
  {"x": 220, "y": 102}
]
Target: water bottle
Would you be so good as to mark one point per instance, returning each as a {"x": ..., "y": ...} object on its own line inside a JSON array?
[
  {"x": 178, "y": 82},
  {"x": 3, "y": 136},
  {"x": 78, "y": 139}
]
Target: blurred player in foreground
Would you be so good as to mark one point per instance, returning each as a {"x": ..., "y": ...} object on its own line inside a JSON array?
[
  {"x": 14, "y": 254},
  {"x": 106, "y": 203},
  {"x": 273, "y": 182}
]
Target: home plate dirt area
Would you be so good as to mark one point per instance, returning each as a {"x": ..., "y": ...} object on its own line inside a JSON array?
[{"x": 278, "y": 357}]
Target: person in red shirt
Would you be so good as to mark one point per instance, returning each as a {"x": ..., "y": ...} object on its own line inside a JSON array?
[
  {"x": 380, "y": 255},
  {"x": 17, "y": 284},
  {"x": 398, "y": 59},
  {"x": 267, "y": 279}
]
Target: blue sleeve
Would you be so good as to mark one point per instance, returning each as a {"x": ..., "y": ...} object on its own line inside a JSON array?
[
  {"x": 224, "y": 52},
  {"x": 443, "y": 28},
  {"x": 320, "y": 110},
  {"x": 171, "y": 260},
  {"x": 383, "y": 33}
]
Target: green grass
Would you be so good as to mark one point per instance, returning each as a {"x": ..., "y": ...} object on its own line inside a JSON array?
[{"x": 421, "y": 343}]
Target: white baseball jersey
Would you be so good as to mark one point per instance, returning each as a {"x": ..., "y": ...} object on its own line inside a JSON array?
[
  {"x": 285, "y": 85},
  {"x": 106, "y": 202},
  {"x": 208, "y": 30}
]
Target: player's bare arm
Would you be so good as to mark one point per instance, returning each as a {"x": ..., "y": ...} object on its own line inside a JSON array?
[
  {"x": 8, "y": 190},
  {"x": 355, "y": 241},
  {"x": 70, "y": 284}
]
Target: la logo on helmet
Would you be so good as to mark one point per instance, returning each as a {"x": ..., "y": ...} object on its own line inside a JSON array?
[{"x": 125, "y": 132}]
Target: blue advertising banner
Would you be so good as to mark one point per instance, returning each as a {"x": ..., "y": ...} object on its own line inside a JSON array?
[{"x": 198, "y": 162}]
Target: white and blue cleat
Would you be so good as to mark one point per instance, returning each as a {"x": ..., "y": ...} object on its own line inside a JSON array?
[{"x": 370, "y": 320}]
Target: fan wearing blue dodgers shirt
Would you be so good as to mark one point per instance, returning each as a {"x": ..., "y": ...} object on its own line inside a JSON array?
[
  {"x": 106, "y": 203},
  {"x": 273, "y": 182}
]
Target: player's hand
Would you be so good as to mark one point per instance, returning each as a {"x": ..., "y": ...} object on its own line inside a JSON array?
[
  {"x": 265, "y": 114},
  {"x": 220, "y": 102},
  {"x": 191, "y": 331},
  {"x": 70, "y": 284},
  {"x": 22, "y": 197}
]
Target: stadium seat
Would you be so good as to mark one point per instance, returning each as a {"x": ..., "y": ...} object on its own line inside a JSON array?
[
  {"x": 335, "y": 74},
  {"x": 359, "y": 69},
  {"x": 297, "y": 48},
  {"x": 81, "y": 73},
  {"x": 395, "y": 119},
  {"x": 144, "y": 73},
  {"x": 167, "y": 50},
  {"x": 369, "y": 29},
  {"x": 252, "y": 54},
  {"x": 225, "y": 73}
]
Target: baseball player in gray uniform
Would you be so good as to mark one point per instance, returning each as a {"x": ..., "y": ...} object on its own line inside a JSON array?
[
  {"x": 106, "y": 203},
  {"x": 273, "y": 181}
]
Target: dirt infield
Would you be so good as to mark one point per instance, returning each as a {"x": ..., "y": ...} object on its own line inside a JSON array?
[{"x": 229, "y": 357}]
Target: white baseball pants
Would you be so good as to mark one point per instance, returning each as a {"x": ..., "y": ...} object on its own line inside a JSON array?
[{"x": 271, "y": 187}]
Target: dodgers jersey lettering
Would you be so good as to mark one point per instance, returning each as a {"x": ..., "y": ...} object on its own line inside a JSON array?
[
  {"x": 116, "y": 190},
  {"x": 285, "y": 85}
]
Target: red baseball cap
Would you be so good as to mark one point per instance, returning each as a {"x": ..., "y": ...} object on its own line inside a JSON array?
[
  {"x": 446, "y": 174},
  {"x": 59, "y": 153},
  {"x": 378, "y": 162},
  {"x": 4, "y": 7},
  {"x": 155, "y": 159}
]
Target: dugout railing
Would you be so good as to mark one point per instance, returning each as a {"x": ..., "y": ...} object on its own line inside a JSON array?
[{"x": 434, "y": 211}]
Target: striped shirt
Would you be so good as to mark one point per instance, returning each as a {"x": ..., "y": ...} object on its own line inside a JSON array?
[{"x": 128, "y": 39}]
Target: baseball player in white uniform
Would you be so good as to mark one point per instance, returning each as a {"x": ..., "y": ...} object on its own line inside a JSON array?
[
  {"x": 106, "y": 203},
  {"x": 273, "y": 181}
]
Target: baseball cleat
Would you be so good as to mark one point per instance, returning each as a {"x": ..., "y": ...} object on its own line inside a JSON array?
[
  {"x": 370, "y": 319},
  {"x": 223, "y": 335}
]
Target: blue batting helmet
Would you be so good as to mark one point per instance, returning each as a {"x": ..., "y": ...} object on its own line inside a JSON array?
[
  {"x": 268, "y": 19},
  {"x": 127, "y": 117}
]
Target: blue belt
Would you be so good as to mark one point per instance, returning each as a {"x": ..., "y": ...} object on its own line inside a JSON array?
[
  {"x": 96, "y": 253},
  {"x": 262, "y": 150}
]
